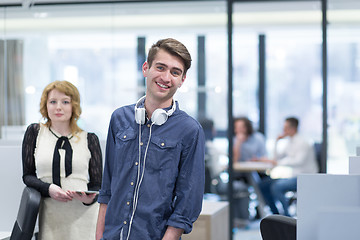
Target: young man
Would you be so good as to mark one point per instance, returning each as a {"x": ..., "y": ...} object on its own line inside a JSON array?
[{"x": 153, "y": 179}]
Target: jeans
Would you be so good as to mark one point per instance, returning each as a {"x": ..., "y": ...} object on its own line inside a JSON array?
[{"x": 275, "y": 189}]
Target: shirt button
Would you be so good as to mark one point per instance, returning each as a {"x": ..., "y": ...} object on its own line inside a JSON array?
[
  {"x": 136, "y": 163},
  {"x": 124, "y": 136},
  {"x": 127, "y": 203},
  {"x": 141, "y": 143},
  {"x": 148, "y": 125},
  {"x": 132, "y": 183},
  {"x": 162, "y": 144},
  {"x": 125, "y": 222}
]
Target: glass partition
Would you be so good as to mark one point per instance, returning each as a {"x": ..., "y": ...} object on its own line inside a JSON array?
[
  {"x": 343, "y": 82},
  {"x": 293, "y": 78},
  {"x": 95, "y": 47},
  {"x": 3, "y": 93}
]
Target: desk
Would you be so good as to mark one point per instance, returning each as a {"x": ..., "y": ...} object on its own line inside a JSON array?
[
  {"x": 212, "y": 224},
  {"x": 251, "y": 171},
  {"x": 252, "y": 166},
  {"x": 5, "y": 235}
]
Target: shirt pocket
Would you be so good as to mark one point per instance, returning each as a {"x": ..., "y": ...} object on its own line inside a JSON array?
[
  {"x": 165, "y": 155},
  {"x": 124, "y": 150}
]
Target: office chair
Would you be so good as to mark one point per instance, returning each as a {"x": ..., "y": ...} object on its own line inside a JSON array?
[
  {"x": 318, "y": 153},
  {"x": 278, "y": 227},
  {"x": 26, "y": 219}
]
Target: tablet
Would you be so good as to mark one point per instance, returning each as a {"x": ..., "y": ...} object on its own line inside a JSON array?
[{"x": 87, "y": 192}]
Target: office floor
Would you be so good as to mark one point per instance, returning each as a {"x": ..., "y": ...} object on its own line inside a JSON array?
[{"x": 251, "y": 232}]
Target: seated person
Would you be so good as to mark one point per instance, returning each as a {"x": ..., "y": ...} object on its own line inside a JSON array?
[
  {"x": 248, "y": 144},
  {"x": 297, "y": 157}
]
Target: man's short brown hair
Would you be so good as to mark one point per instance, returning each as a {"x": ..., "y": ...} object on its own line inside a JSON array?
[{"x": 172, "y": 46}]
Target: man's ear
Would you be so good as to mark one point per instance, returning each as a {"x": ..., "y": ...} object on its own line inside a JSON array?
[
  {"x": 145, "y": 68},
  {"x": 182, "y": 80}
]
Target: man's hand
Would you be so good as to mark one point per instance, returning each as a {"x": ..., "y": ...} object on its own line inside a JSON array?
[
  {"x": 173, "y": 233},
  {"x": 281, "y": 136},
  {"x": 100, "y": 225}
]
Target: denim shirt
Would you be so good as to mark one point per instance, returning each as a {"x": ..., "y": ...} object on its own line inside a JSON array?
[
  {"x": 172, "y": 187},
  {"x": 253, "y": 147}
]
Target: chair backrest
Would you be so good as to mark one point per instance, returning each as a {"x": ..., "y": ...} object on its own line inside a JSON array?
[
  {"x": 278, "y": 227},
  {"x": 318, "y": 149},
  {"x": 26, "y": 219}
]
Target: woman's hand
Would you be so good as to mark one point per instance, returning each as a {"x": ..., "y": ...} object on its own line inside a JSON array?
[
  {"x": 86, "y": 198},
  {"x": 240, "y": 138},
  {"x": 58, "y": 194}
]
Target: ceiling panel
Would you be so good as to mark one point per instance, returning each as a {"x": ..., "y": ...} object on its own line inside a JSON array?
[{"x": 52, "y": 2}]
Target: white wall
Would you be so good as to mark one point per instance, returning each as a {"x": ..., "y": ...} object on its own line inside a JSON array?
[
  {"x": 327, "y": 206},
  {"x": 11, "y": 185}
]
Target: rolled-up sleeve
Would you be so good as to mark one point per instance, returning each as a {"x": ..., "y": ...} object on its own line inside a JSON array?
[{"x": 190, "y": 183}]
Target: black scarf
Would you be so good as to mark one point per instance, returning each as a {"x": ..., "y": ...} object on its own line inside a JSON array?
[{"x": 62, "y": 143}]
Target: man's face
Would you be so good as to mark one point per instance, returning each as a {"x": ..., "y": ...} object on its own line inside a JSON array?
[
  {"x": 288, "y": 129},
  {"x": 164, "y": 77}
]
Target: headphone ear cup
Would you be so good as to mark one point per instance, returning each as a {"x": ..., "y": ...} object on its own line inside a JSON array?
[
  {"x": 140, "y": 115},
  {"x": 159, "y": 116}
]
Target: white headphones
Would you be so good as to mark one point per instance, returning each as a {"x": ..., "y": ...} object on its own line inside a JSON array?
[{"x": 159, "y": 116}]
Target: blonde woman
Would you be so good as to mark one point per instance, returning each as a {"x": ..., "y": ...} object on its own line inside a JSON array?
[{"x": 62, "y": 161}]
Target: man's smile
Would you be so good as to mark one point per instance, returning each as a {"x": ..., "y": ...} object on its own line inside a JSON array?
[{"x": 162, "y": 85}]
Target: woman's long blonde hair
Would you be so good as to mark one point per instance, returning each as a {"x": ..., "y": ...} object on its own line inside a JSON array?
[{"x": 69, "y": 90}]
